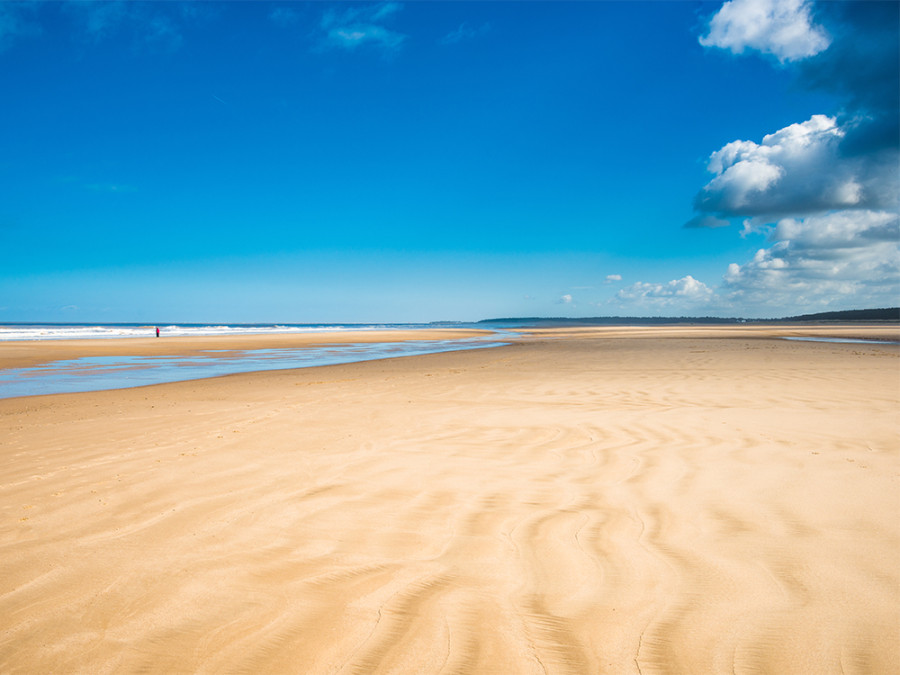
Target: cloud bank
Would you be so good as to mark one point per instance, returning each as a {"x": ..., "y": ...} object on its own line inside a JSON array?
[
  {"x": 825, "y": 190},
  {"x": 821, "y": 261}
]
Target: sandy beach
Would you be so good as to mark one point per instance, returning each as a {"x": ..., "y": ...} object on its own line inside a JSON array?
[
  {"x": 591, "y": 500},
  {"x": 22, "y": 354}
]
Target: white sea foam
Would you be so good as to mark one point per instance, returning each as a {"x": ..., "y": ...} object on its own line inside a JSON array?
[{"x": 78, "y": 332}]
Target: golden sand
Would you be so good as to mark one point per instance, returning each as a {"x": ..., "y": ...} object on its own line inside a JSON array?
[{"x": 652, "y": 500}]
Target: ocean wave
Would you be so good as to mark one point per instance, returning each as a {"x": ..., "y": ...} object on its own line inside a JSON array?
[{"x": 10, "y": 332}]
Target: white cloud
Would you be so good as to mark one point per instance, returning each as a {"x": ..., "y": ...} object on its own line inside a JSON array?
[
  {"x": 357, "y": 26},
  {"x": 782, "y": 28},
  {"x": 610, "y": 278},
  {"x": 678, "y": 294},
  {"x": 840, "y": 230},
  {"x": 564, "y": 300},
  {"x": 796, "y": 170},
  {"x": 828, "y": 260},
  {"x": 827, "y": 190}
]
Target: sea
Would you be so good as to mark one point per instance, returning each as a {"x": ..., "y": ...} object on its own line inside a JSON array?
[
  {"x": 91, "y": 331},
  {"x": 121, "y": 372}
]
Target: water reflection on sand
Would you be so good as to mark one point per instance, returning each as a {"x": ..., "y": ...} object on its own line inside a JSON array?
[{"x": 120, "y": 372}]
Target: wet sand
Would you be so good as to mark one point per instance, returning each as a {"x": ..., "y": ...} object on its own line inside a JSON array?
[
  {"x": 27, "y": 353},
  {"x": 649, "y": 500}
]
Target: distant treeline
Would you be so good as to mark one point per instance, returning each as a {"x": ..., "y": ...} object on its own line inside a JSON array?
[
  {"x": 884, "y": 314},
  {"x": 610, "y": 320},
  {"x": 855, "y": 315}
]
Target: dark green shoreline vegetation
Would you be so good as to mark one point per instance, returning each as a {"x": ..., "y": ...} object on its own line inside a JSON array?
[
  {"x": 889, "y": 314},
  {"x": 882, "y": 315}
]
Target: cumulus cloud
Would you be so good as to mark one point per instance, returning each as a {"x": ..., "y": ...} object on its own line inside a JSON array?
[
  {"x": 796, "y": 170},
  {"x": 564, "y": 300},
  {"x": 782, "y": 28},
  {"x": 825, "y": 190},
  {"x": 840, "y": 230},
  {"x": 679, "y": 294},
  {"x": 357, "y": 26},
  {"x": 822, "y": 261},
  {"x": 611, "y": 278},
  {"x": 846, "y": 160},
  {"x": 829, "y": 260}
]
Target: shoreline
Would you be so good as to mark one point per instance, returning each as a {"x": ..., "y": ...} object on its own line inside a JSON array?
[
  {"x": 22, "y": 353},
  {"x": 27, "y": 353},
  {"x": 48, "y": 367}
]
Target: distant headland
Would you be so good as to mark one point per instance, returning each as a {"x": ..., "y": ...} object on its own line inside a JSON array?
[{"x": 880, "y": 315}]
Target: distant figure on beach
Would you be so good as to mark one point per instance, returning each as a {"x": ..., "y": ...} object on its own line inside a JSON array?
[{"x": 157, "y": 331}]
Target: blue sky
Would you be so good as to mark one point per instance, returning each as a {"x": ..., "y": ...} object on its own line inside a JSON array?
[{"x": 317, "y": 162}]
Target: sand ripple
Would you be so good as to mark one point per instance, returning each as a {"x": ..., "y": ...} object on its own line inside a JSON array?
[{"x": 591, "y": 504}]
